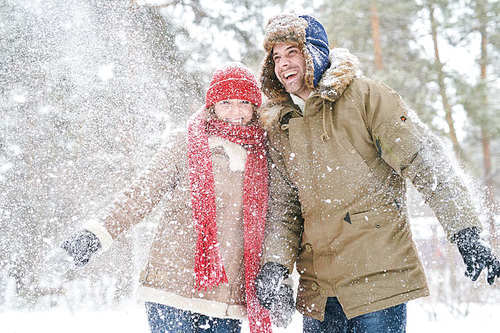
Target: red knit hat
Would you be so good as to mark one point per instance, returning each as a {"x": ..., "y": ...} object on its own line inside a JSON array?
[{"x": 233, "y": 81}]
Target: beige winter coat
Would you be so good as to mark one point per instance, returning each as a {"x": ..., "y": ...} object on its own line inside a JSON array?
[
  {"x": 168, "y": 277},
  {"x": 346, "y": 159}
]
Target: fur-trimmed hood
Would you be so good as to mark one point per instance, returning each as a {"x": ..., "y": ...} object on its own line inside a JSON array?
[
  {"x": 344, "y": 68},
  {"x": 311, "y": 39}
]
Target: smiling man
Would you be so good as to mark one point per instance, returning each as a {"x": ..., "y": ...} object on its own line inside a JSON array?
[
  {"x": 344, "y": 145},
  {"x": 290, "y": 69}
]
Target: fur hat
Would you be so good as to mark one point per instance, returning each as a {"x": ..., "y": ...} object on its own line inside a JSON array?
[
  {"x": 312, "y": 40},
  {"x": 233, "y": 81}
]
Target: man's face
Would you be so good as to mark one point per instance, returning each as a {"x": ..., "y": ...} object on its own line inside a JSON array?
[{"x": 290, "y": 68}]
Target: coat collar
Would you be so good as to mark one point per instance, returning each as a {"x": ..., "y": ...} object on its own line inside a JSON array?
[{"x": 333, "y": 83}]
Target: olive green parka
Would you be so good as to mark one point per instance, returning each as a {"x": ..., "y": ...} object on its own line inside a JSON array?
[{"x": 342, "y": 216}]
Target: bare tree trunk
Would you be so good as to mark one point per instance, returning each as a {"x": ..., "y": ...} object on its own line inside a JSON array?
[
  {"x": 485, "y": 135},
  {"x": 442, "y": 87},
  {"x": 490, "y": 187},
  {"x": 379, "y": 65}
]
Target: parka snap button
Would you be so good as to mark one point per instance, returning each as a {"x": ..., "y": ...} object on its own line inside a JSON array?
[
  {"x": 308, "y": 247},
  {"x": 377, "y": 226},
  {"x": 314, "y": 286}
]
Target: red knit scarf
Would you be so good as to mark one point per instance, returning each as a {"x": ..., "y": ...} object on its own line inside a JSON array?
[{"x": 209, "y": 268}]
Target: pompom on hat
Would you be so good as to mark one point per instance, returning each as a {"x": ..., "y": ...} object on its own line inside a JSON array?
[
  {"x": 233, "y": 81},
  {"x": 312, "y": 40}
]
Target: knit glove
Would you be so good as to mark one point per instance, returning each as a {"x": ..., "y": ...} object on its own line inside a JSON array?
[
  {"x": 81, "y": 246},
  {"x": 476, "y": 255},
  {"x": 283, "y": 307},
  {"x": 269, "y": 281}
]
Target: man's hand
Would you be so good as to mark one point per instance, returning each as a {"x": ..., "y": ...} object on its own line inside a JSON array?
[
  {"x": 268, "y": 283},
  {"x": 283, "y": 307},
  {"x": 81, "y": 246},
  {"x": 476, "y": 255}
]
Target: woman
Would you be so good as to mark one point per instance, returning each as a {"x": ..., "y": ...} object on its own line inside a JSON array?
[{"x": 205, "y": 254}]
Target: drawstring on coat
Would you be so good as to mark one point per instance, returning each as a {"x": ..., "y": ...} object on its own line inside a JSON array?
[{"x": 325, "y": 137}]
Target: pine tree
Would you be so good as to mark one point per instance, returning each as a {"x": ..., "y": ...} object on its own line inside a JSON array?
[
  {"x": 478, "y": 25},
  {"x": 430, "y": 7},
  {"x": 380, "y": 34}
]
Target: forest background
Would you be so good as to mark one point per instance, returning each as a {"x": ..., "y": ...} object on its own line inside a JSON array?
[{"x": 90, "y": 89}]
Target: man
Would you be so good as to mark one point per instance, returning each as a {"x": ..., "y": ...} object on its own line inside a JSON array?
[{"x": 344, "y": 145}]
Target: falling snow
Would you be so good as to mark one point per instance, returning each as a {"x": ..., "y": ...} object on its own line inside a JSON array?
[{"x": 88, "y": 93}]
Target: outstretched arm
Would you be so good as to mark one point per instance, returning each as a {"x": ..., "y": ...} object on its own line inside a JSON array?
[
  {"x": 409, "y": 147},
  {"x": 128, "y": 209}
]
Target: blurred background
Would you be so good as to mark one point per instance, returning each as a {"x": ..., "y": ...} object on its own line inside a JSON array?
[{"x": 90, "y": 89}]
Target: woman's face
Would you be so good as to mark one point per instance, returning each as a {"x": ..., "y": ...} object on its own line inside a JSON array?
[{"x": 234, "y": 111}]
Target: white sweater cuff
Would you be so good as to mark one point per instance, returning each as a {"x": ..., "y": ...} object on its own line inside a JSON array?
[{"x": 101, "y": 232}]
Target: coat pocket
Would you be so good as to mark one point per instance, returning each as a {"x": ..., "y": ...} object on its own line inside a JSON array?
[{"x": 377, "y": 218}]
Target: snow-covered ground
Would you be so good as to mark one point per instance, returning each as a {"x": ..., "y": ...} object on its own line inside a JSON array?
[
  {"x": 424, "y": 315},
  {"x": 130, "y": 317}
]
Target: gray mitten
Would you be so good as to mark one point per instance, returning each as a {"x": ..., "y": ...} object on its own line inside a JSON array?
[
  {"x": 282, "y": 307},
  {"x": 476, "y": 255},
  {"x": 269, "y": 281},
  {"x": 81, "y": 246}
]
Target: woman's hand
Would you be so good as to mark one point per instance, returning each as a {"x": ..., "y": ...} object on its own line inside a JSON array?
[{"x": 81, "y": 246}]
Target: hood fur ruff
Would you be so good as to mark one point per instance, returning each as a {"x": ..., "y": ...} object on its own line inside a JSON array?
[{"x": 344, "y": 68}]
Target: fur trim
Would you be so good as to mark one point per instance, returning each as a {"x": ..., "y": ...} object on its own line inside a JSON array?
[
  {"x": 344, "y": 68},
  {"x": 284, "y": 28},
  {"x": 333, "y": 83},
  {"x": 269, "y": 114}
]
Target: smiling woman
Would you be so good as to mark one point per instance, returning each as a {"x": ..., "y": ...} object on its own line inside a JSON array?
[
  {"x": 235, "y": 111},
  {"x": 205, "y": 255}
]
